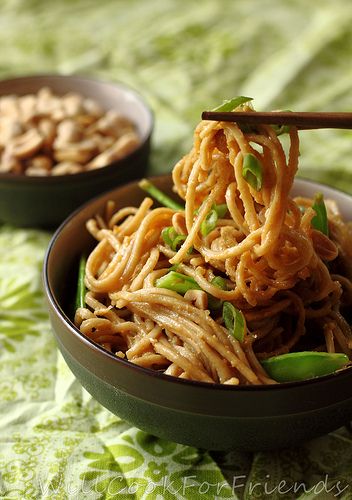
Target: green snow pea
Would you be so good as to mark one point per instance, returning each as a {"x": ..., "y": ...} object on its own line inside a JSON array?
[
  {"x": 159, "y": 196},
  {"x": 81, "y": 288},
  {"x": 303, "y": 365}
]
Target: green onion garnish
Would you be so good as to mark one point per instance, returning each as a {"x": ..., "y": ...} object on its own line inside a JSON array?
[
  {"x": 177, "y": 242},
  {"x": 209, "y": 223},
  {"x": 213, "y": 302},
  {"x": 234, "y": 321},
  {"x": 252, "y": 171},
  {"x": 233, "y": 103},
  {"x": 159, "y": 196},
  {"x": 173, "y": 239},
  {"x": 282, "y": 129},
  {"x": 168, "y": 234},
  {"x": 177, "y": 282},
  {"x": 219, "y": 282},
  {"x": 320, "y": 220},
  {"x": 221, "y": 209}
]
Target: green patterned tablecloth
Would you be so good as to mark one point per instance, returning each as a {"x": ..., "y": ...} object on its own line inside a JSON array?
[{"x": 55, "y": 440}]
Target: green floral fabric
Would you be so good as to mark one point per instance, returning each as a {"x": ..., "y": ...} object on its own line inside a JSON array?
[{"x": 56, "y": 442}]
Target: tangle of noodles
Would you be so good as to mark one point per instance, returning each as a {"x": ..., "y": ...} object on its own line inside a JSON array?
[{"x": 291, "y": 281}]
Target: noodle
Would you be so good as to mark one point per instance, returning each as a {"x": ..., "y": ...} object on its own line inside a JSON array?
[{"x": 291, "y": 282}]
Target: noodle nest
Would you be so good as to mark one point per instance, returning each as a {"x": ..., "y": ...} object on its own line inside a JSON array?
[{"x": 290, "y": 282}]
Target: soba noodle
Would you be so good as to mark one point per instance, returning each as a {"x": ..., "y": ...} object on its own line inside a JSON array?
[{"x": 291, "y": 282}]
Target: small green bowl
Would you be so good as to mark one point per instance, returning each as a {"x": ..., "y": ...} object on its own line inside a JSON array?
[
  {"x": 210, "y": 416},
  {"x": 46, "y": 201}
]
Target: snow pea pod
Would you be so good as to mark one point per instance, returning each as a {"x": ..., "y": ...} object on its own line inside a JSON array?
[
  {"x": 159, "y": 196},
  {"x": 81, "y": 287},
  {"x": 320, "y": 220},
  {"x": 303, "y": 365}
]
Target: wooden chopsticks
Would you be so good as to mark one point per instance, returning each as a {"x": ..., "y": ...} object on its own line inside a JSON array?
[{"x": 301, "y": 120}]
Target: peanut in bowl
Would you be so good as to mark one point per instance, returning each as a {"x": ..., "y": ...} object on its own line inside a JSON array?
[{"x": 63, "y": 140}]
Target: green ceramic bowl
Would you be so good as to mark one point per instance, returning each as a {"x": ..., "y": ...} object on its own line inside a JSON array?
[
  {"x": 210, "y": 416},
  {"x": 46, "y": 201}
]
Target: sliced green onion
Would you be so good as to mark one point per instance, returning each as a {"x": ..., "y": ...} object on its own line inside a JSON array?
[
  {"x": 282, "y": 129},
  {"x": 177, "y": 242},
  {"x": 219, "y": 282},
  {"x": 81, "y": 287},
  {"x": 234, "y": 321},
  {"x": 233, "y": 103},
  {"x": 177, "y": 282},
  {"x": 252, "y": 171},
  {"x": 320, "y": 220},
  {"x": 173, "y": 239},
  {"x": 168, "y": 234},
  {"x": 221, "y": 210},
  {"x": 303, "y": 365},
  {"x": 213, "y": 302},
  {"x": 209, "y": 223},
  {"x": 159, "y": 196}
]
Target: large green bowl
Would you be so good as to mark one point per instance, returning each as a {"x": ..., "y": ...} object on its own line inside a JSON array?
[{"x": 210, "y": 416}]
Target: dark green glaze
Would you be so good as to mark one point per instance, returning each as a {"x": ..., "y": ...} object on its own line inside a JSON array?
[{"x": 204, "y": 415}]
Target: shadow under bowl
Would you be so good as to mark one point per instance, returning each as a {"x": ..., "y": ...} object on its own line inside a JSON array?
[
  {"x": 210, "y": 416},
  {"x": 46, "y": 201}
]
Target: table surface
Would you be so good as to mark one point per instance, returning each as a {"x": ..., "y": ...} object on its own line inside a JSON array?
[{"x": 55, "y": 440}]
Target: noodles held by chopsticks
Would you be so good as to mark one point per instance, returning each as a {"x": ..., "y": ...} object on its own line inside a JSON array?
[{"x": 290, "y": 281}]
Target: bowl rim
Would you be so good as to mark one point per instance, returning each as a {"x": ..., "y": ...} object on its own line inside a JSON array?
[
  {"x": 89, "y": 174},
  {"x": 64, "y": 318}
]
